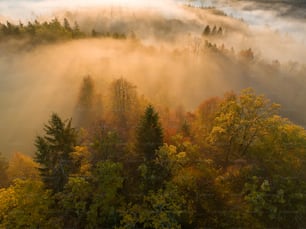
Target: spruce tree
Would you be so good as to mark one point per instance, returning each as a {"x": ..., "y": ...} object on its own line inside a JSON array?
[
  {"x": 149, "y": 135},
  {"x": 149, "y": 139},
  {"x": 206, "y": 31},
  {"x": 53, "y": 153}
]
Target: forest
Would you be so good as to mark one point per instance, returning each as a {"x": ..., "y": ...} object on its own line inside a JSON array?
[{"x": 141, "y": 120}]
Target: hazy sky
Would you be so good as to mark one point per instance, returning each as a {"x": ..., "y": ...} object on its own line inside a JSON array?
[
  {"x": 29, "y": 9},
  {"x": 281, "y": 17}
]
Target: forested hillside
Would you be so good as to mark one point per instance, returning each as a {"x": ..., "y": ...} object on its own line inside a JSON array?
[{"x": 145, "y": 120}]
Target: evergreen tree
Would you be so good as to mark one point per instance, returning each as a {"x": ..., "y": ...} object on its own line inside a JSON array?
[
  {"x": 149, "y": 135},
  {"x": 149, "y": 138},
  {"x": 53, "y": 153},
  {"x": 67, "y": 25},
  {"x": 76, "y": 31},
  {"x": 206, "y": 31},
  {"x": 214, "y": 30},
  {"x": 220, "y": 31}
]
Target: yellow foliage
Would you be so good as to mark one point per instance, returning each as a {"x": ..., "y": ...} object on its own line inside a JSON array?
[
  {"x": 22, "y": 166},
  {"x": 81, "y": 155}
]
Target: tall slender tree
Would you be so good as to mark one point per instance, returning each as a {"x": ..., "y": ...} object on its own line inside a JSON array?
[
  {"x": 123, "y": 102},
  {"x": 149, "y": 135},
  {"x": 85, "y": 110},
  {"x": 53, "y": 153},
  {"x": 149, "y": 138}
]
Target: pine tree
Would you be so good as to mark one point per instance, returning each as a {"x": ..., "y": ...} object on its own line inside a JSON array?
[{"x": 53, "y": 153}]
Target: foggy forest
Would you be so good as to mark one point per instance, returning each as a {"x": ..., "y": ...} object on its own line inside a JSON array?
[{"x": 152, "y": 114}]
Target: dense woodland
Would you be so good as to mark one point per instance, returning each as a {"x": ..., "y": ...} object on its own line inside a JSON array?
[
  {"x": 234, "y": 162},
  {"x": 124, "y": 161}
]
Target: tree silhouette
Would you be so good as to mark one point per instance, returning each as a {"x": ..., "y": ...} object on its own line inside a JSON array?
[{"x": 53, "y": 153}]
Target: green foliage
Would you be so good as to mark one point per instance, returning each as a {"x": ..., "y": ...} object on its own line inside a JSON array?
[
  {"x": 107, "y": 180},
  {"x": 74, "y": 202},
  {"x": 160, "y": 209},
  {"x": 40, "y": 32},
  {"x": 113, "y": 35},
  {"x": 241, "y": 166},
  {"x": 279, "y": 202},
  {"x": 149, "y": 135},
  {"x": 105, "y": 144},
  {"x": 53, "y": 153},
  {"x": 93, "y": 201}
]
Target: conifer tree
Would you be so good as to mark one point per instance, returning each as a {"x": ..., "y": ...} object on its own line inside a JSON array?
[
  {"x": 53, "y": 153},
  {"x": 206, "y": 31},
  {"x": 149, "y": 135},
  {"x": 149, "y": 138}
]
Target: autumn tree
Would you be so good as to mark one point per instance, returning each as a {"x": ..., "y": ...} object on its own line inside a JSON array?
[
  {"x": 3, "y": 172},
  {"x": 203, "y": 120},
  {"x": 26, "y": 204},
  {"x": 23, "y": 167},
  {"x": 239, "y": 121},
  {"x": 53, "y": 152}
]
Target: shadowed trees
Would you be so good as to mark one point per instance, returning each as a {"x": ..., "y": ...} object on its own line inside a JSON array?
[
  {"x": 3, "y": 174},
  {"x": 53, "y": 153},
  {"x": 149, "y": 135},
  {"x": 87, "y": 108}
]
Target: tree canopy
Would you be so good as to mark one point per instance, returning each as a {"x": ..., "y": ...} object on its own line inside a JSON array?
[{"x": 241, "y": 165}]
